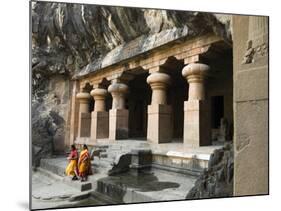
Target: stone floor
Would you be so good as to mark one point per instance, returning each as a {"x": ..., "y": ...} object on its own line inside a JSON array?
[
  {"x": 48, "y": 192},
  {"x": 157, "y": 185},
  {"x": 50, "y": 188}
]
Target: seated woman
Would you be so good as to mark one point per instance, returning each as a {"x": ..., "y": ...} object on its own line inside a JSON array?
[
  {"x": 84, "y": 163},
  {"x": 71, "y": 169}
]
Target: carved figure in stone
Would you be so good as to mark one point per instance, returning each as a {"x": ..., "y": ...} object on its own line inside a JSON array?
[{"x": 249, "y": 55}]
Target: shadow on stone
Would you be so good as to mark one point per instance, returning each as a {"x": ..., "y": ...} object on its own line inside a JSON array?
[
  {"x": 122, "y": 164},
  {"x": 117, "y": 186}
]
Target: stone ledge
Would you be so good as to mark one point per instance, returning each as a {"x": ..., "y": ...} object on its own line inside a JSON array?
[{"x": 144, "y": 44}]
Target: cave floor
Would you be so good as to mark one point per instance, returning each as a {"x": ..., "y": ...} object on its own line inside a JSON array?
[
  {"x": 49, "y": 192},
  {"x": 53, "y": 191}
]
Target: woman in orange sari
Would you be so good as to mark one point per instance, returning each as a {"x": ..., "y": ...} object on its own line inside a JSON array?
[
  {"x": 84, "y": 163},
  {"x": 71, "y": 169}
]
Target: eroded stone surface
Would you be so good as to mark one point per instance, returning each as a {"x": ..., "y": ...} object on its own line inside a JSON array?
[{"x": 217, "y": 180}]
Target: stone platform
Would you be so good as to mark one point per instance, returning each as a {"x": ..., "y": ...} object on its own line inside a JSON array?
[
  {"x": 172, "y": 172},
  {"x": 175, "y": 156}
]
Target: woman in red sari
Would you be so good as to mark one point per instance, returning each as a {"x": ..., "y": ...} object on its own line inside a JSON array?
[
  {"x": 72, "y": 168},
  {"x": 84, "y": 163}
]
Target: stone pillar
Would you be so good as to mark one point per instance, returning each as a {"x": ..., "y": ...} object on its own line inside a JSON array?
[
  {"x": 159, "y": 125},
  {"x": 197, "y": 130},
  {"x": 100, "y": 124},
  {"x": 118, "y": 115},
  {"x": 84, "y": 125},
  {"x": 74, "y": 116}
]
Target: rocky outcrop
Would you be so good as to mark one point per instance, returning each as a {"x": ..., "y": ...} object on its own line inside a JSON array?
[
  {"x": 66, "y": 38},
  {"x": 49, "y": 118},
  {"x": 217, "y": 180}
]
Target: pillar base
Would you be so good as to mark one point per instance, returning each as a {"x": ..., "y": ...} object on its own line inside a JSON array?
[
  {"x": 84, "y": 125},
  {"x": 118, "y": 124},
  {"x": 159, "y": 125},
  {"x": 197, "y": 130},
  {"x": 100, "y": 125}
]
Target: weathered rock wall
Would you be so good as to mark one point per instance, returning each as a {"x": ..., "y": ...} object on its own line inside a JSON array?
[
  {"x": 50, "y": 116},
  {"x": 250, "y": 55},
  {"x": 67, "y": 37},
  {"x": 217, "y": 180}
]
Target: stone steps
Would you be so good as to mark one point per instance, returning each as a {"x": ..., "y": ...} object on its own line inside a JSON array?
[
  {"x": 54, "y": 165},
  {"x": 102, "y": 163},
  {"x": 81, "y": 186}
]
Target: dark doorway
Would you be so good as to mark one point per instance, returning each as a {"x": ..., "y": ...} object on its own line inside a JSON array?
[
  {"x": 217, "y": 111},
  {"x": 138, "y": 100},
  {"x": 177, "y": 94}
]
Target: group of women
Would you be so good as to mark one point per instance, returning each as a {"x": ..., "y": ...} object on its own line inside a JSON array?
[{"x": 79, "y": 167}]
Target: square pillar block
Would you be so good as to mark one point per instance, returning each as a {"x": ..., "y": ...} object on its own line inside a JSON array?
[
  {"x": 84, "y": 125},
  {"x": 197, "y": 127},
  {"x": 100, "y": 125},
  {"x": 159, "y": 125},
  {"x": 118, "y": 124}
]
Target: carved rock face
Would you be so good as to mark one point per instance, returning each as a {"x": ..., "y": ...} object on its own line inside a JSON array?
[
  {"x": 74, "y": 35},
  {"x": 67, "y": 37}
]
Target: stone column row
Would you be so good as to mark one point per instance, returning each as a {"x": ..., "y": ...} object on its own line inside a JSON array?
[
  {"x": 196, "y": 114},
  {"x": 115, "y": 123},
  {"x": 100, "y": 123}
]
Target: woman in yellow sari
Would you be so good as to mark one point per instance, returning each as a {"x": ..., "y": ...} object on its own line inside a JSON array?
[
  {"x": 84, "y": 163},
  {"x": 71, "y": 169}
]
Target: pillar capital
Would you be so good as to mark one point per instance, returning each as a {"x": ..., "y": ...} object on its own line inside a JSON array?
[
  {"x": 195, "y": 72},
  {"x": 118, "y": 88},
  {"x": 118, "y": 92},
  {"x": 158, "y": 80},
  {"x": 83, "y": 97},
  {"x": 99, "y": 96},
  {"x": 99, "y": 93},
  {"x": 159, "y": 83},
  {"x": 195, "y": 75}
]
